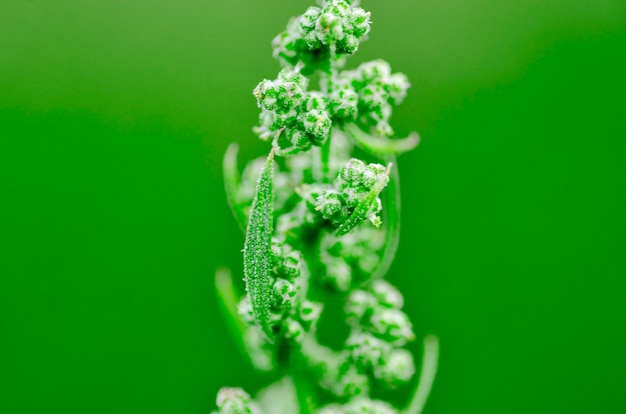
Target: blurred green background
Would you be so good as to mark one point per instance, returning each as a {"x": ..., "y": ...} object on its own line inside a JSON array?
[{"x": 113, "y": 120}]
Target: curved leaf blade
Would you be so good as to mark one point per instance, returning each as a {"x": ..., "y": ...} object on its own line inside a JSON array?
[
  {"x": 257, "y": 247},
  {"x": 232, "y": 180},
  {"x": 381, "y": 146},
  {"x": 391, "y": 203}
]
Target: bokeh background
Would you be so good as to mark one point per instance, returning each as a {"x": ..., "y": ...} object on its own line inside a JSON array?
[{"x": 113, "y": 120}]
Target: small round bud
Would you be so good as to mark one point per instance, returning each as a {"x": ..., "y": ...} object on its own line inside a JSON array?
[
  {"x": 293, "y": 330},
  {"x": 284, "y": 291},
  {"x": 397, "y": 369},
  {"x": 266, "y": 94},
  {"x": 317, "y": 124},
  {"x": 367, "y": 351},
  {"x": 392, "y": 325},
  {"x": 299, "y": 140},
  {"x": 338, "y": 274},
  {"x": 314, "y": 100},
  {"x": 351, "y": 173},
  {"x": 309, "y": 18},
  {"x": 360, "y": 304},
  {"x": 386, "y": 294},
  {"x": 343, "y": 103},
  {"x": 309, "y": 313},
  {"x": 235, "y": 401},
  {"x": 360, "y": 21},
  {"x": 329, "y": 204},
  {"x": 397, "y": 88},
  {"x": 374, "y": 70},
  {"x": 351, "y": 383}
]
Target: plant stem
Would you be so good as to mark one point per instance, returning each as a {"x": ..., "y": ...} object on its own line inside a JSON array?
[{"x": 325, "y": 161}]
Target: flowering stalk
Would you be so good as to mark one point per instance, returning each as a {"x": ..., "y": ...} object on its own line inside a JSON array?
[{"x": 315, "y": 227}]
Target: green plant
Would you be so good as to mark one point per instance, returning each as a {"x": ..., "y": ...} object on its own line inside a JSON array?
[{"x": 312, "y": 217}]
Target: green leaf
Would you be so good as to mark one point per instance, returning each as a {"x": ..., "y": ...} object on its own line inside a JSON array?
[
  {"x": 362, "y": 210},
  {"x": 430, "y": 361},
  {"x": 381, "y": 146},
  {"x": 391, "y": 208},
  {"x": 232, "y": 180},
  {"x": 257, "y": 248}
]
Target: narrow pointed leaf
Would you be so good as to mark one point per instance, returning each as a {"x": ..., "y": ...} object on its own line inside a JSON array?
[
  {"x": 430, "y": 361},
  {"x": 391, "y": 205},
  {"x": 232, "y": 180},
  {"x": 381, "y": 146},
  {"x": 257, "y": 247},
  {"x": 361, "y": 211}
]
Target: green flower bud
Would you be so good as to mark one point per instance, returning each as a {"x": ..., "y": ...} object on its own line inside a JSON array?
[
  {"x": 284, "y": 291},
  {"x": 315, "y": 100},
  {"x": 360, "y": 22},
  {"x": 397, "y": 87},
  {"x": 309, "y": 19},
  {"x": 329, "y": 203},
  {"x": 343, "y": 103},
  {"x": 266, "y": 93},
  {"x": 317, "y": 124},
  {"x": 338, "y": 274},
  {"x": 392, "y": 325},
  {"x": 292, "y": 330},
  {"x": 299, "y": 141},
  {"x": 386, "y": 294},
  {"x": 397, "y": 369},
  {"x": 235, "y": 401},
  {"x": 367, "y": 351},
  {"x": 309, "y": 313},
  {"x": 351, "y": 383},
  {"x": 360, "y": 304}
]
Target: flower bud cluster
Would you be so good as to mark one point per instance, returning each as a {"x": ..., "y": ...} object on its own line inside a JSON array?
[
  {"x": 290, "y": 49},
  {"x": 336, "y": 25},
  {"x": 309, "y": 39},
  {"x": 290, "y": 313},
  {"x": 350, "y": 259},
  {"x": 353, "y": 186},
  {"x": 379, "y": 330},
  {"x": 235, "y": 401},
  {"x": 287, "y": 107},
  {"x": 377, "y": 89}
]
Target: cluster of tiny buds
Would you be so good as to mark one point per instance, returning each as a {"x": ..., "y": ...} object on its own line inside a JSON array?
[
  {"x": 351, "y": 259},
  {"x": 379, "y": 329},
  {"x": 336, "y": 25},
  {"x": 286, "y": 105},
  {"x": 321, "y": 34},
  {"x": 354, "y": 184},
  {"x": 377, "y": 90}
]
